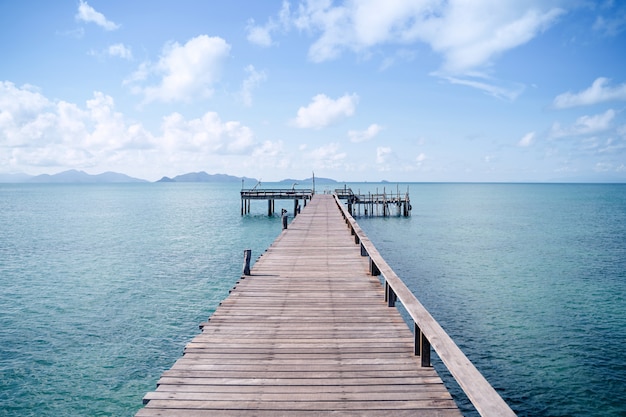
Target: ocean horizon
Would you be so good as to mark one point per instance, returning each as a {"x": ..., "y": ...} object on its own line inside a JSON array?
[{"x": 104, "y": 284}]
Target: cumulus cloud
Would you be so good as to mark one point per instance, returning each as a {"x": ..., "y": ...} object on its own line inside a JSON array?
[
  {"x": 120, "y": 50},
  {"x": 38, "y": 132},
  {"x": 383, "y": 153},
  {"x": 208, "y": 134},
  {"x": 527, "y": 140},
  {"x": 269, "y": 155},
  {"x": 88, "y": 14},
  {"x": 254, "y": 79},
  {"x": 183, "y": 72},
  {"x": 585, "y": 125},
  {"x": 598, "y": 92},
  {"x": 261, "y": 35},
  {"x": 328, "y": 156},
  {"x": 324, "y": 111},
  {"x": 357, "y": 136}
]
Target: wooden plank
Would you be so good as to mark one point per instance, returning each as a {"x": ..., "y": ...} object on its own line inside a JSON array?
[
  {"x": 318, "y": 405},
  {"x": 173, "y": 412},
  {"x": 306, "y": 334}
]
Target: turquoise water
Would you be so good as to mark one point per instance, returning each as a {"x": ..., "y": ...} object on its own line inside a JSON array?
[{"x": 101, "y": 286}]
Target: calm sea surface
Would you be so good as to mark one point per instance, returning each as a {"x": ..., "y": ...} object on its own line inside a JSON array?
[{"x": 101, "y": 286}]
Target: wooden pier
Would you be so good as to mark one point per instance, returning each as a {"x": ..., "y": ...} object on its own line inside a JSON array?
[
  {"x": 275, "y": 194},
  {"x": 310, "y": 332},
  {"x": 376, "y": 204}
]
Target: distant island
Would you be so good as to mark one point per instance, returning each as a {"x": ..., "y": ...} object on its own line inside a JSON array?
[
  {"x": 74, "y": 176},
  {"x": 318, "y": 180},
  {"x": 204, "y": 177}
]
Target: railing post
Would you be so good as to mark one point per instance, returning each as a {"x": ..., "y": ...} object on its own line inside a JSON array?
[
  {"x": 284, "y": 217},
  {"x": 247, "y": 254},
  {"x": 363, "y": 250},
  {"x": 425, "y": 351},
  {"x": 422, "y": 346},
  {"x": 390, "y": 295},
  {"x": 373, "y": 268}
]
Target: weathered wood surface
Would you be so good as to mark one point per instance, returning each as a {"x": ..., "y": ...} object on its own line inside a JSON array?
[
  {"x": 483, "y": 396},
  {"x": 307, "y": 334}
]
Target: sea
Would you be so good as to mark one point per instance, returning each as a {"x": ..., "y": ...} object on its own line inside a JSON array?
[{"x": 102, "y": 286}]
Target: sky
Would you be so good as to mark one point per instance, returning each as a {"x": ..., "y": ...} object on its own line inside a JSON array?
[{"x": 360, "y": 90}]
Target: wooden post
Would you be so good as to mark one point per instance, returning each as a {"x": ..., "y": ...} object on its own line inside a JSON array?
[
  {"x": 247, "y": 254},
  {"x": 422, "y": 346},
  {"x": 374, "y": 268},
  {"x": 284, "y": 217},
  {"x": 391, "y": 295},
  {"x": 296, "y": 203},
  {"x": 425, "y": 351}
]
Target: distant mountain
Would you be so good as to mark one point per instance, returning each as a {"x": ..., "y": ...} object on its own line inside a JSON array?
[
  {"x": 204, "y": 177},
  {"x": 318, "y": 180},
  {"x": 14, "y": 178},
  {"x": 79, "y": 177}
]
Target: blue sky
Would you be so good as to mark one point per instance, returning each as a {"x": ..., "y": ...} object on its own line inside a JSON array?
[{"x": 362, "y": 90}]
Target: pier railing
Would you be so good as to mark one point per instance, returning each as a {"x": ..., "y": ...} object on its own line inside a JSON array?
[
  {"x": 277, "y": 193},
  {"x": 428, "y": 333},
  {"x": 375, "y": 203},
  {"x": 271, "y": 194}
]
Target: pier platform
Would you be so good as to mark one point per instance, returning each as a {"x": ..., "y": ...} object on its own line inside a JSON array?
[
  {"x": 271, "y": 195},
  {"x": 310, "y": 332},
  {"x": 376, "y": 204}
]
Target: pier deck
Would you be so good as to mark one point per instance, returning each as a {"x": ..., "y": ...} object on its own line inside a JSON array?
[{"x": 308, "y": 333}]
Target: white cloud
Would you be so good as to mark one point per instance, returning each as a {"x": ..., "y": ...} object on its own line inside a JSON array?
[
  {"x": 88, "y": 14},
  {"x": 585, "y": 125},
  {"x": 36, "y": 132},
  {"x": 262, "y": 35},
  {"x": 324, "y": 111},
  {"x": 208, "y": 134},
  {"x": 614, "y": 21},
  {"x": 598, "y": 92},
  {"x": 269, "y": 155},
  {"x": 183, "y": 71},
  {"x": 120, "y": 50},
  {"x": 255, "y": 78},
  {"x": 327, "y": 157},
  {"x": 357, "y": 136},
  {"x": 488, "y": 86},
  {"x": 467, "y": 34},
  {"x": 527, "y": 140},
  {"x": 471, "y": 34},
  {"x": 259, "y": 35},
  {"x": 383, "y": 154}
]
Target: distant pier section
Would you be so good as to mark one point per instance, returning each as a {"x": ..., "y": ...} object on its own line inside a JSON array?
[
  {"x": 273, "y": 194},
  {"x": 376, "y": 204},
  {"x": 359, "y": 204}
]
